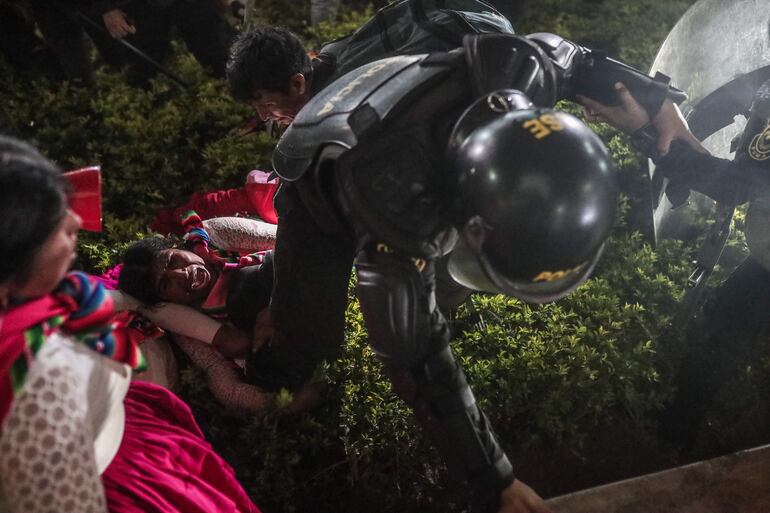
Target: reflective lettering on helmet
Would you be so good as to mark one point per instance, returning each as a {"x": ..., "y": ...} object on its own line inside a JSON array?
[
  {"x": 342, "y": 93},
  {"x": 549, "y": 276},
  {"x": 759, "y": 149},
  {"x": 552, "y": 122},
  {"x": 537, "y": 128},
  {"x": 554, "y": 275},
  {"x": 383, "y": 248},
  {"x": 543, "y": 126}
]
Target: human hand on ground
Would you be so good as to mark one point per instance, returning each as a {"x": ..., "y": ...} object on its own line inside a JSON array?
[{"x": 117, "y": 24}]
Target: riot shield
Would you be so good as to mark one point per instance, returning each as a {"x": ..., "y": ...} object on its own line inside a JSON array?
[{"x": 719, "y": 54}]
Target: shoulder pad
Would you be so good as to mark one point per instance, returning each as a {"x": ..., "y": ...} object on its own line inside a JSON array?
[
  {"x": 346, "y": 108},
  {"x": 561, "y": 50},
  {"x": 505, "y": 61}
]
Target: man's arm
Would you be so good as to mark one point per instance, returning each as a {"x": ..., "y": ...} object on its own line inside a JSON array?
[
  {"x": 629, "y": 116},
  {"x": 730, "y": 182}
]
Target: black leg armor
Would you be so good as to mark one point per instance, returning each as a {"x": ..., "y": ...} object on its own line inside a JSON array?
[{"x": 411, "y": 337}]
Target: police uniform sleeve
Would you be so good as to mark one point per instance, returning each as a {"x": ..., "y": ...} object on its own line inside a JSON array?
[
  {"x": 547, "y": 68},
  {"x": 580, "y": 70},
  {"x": 725, "y": 181},
  {"x": 307, "y": 306}
]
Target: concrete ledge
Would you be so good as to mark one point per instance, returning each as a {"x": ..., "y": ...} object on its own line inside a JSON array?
[{"x": 736, "y": 483}]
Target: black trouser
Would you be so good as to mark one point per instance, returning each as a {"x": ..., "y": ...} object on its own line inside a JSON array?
[
  {"x": 64, "y": 28},
  {"x": 310, "y": 292},
  {"x": 204, "y": 30},
  {"x": 23, "y": 48}
]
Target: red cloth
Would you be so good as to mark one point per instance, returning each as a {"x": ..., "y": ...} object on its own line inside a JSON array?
[
  {"x": 261, "y": 198},
  {"x": 109, "y": 278},
  {"x": 164, "y": 465},
  {"x": 79, "y": 306},
  {"x": 253, "y": 199},
  {"x": 86, "y": 197},
  {"x": 13, "y": 324}
]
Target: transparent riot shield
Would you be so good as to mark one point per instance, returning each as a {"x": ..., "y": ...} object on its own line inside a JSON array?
[{"x": 719, "y": 54}]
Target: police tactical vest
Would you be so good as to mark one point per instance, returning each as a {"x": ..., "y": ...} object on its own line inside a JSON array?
[{"x": 410, "y": 27}]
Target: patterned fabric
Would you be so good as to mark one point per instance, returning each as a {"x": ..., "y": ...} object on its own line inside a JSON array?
[
  {"x": 215, "y": 304},
  {"x": 47, "y": 462},
  {"x": 196, "y": 235},
  {"x": 91, "y": 320},
  {"x": 138, "y": 328},
  {"x": 80, "y": 307},
  {"x": 199, "y": 239}
]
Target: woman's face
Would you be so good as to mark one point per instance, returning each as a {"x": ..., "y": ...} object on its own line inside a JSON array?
[
  {"x": 181, "y": 276},
  {"x": 52, "y": 260}
]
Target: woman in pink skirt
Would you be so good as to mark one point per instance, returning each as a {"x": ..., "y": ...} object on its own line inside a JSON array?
[{"x": 76, "y": 434}]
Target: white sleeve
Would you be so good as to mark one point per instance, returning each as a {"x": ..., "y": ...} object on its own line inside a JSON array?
[
  {"x": 123, "y": 301},
  {"x": 173, "y": 317},
  {"x": 47, "y": 461},
  {"x": 182, "y": 320},
  {"x": 240, "y": 234}
]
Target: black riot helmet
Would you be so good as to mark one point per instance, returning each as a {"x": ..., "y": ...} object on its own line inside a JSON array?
[{"x": 534, "y": 198}]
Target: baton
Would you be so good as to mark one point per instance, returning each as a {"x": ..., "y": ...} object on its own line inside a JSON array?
[
  {"x": 707, "y": 259},
  {"x": 155, "y": 64}
]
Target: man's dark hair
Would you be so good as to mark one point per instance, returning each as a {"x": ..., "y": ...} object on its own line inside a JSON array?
[
  {"x": 33, "y": 200},
  {"x": 265, "y": 58},
  {"x": 136, "y": 274}
]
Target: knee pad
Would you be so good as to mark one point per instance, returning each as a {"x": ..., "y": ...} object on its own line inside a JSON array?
[{"x": 398, "y": 302}]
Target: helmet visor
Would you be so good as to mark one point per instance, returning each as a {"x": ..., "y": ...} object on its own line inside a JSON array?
[{"x": 475, "y": 272}]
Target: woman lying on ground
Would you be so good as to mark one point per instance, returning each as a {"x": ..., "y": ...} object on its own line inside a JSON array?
[{"x": 233, "y": 290}]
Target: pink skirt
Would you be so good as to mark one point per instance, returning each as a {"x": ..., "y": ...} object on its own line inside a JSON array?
[{"x": 164, "y": 464}]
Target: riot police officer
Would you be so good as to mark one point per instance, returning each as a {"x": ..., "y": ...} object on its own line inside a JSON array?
[
  {"x": 736, "y": 314},
  {"x": 406, "y": 159}
]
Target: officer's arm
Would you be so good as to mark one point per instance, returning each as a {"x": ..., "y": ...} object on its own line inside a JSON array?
[
  {"x": 725, "y": 181},
  {"x": 311, "y": 275},
  {"x": 581, "y": 71},
  {"x": 679, "y": 155},
  {"x": 548, "y": 68}
]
